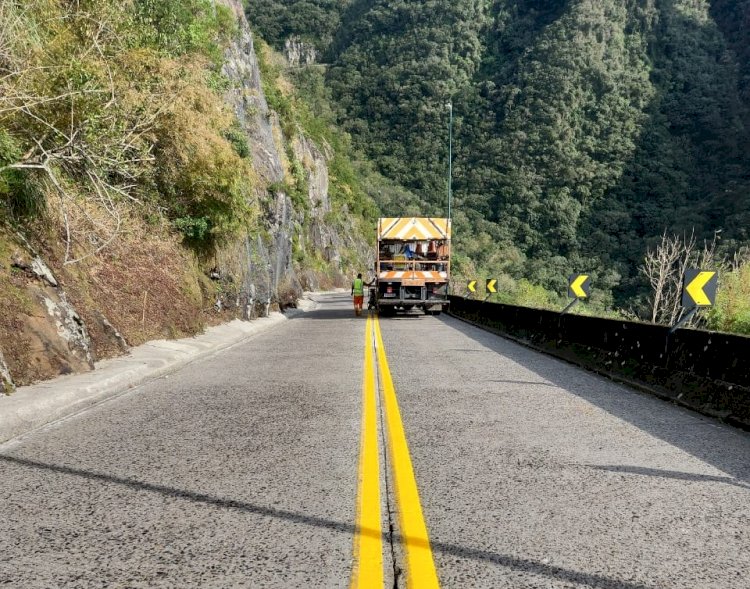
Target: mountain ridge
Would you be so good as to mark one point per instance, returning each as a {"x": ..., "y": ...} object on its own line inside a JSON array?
[{"x": 584, "y": 130}]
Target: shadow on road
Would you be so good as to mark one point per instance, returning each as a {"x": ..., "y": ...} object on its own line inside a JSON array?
[
  {"x": 527, "y": 565},
  {"x": 671, "y": 474},
  {"x": 531, "y": 382},
  {"x": 709, "y": 440}
]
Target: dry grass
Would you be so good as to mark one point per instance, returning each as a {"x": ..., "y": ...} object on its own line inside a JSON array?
[
  {"x": 145, "y": 284},
  {"x": 15, "y": 305}
]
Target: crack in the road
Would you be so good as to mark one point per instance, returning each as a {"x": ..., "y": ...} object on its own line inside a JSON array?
[{"x": 391, "y": 525}]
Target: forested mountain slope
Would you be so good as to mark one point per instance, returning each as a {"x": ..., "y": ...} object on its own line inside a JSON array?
[{"x": 584, "y": 128}]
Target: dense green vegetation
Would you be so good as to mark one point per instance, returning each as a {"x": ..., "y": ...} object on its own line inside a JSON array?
[
  {"x": 584, "y": 128},
  {"x": 315, "y": 21},
  {"x": 107, "y": 104}
]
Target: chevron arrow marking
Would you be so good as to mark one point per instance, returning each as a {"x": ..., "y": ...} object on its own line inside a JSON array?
[
  {"x": 696, "y": 286},
  {"x": 577, "y": 286}
]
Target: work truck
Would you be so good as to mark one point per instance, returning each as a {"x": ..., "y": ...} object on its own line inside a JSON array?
[{"x": 413, "y": 265}]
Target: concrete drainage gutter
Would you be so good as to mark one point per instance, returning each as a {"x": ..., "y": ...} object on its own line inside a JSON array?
[{"x": 33, "y": 406}]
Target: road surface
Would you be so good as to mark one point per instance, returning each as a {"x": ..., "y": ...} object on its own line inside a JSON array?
[{"x": 337, "y": 451}]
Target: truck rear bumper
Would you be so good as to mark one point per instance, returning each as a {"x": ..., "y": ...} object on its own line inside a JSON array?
[{"x": 412, "y": 302}]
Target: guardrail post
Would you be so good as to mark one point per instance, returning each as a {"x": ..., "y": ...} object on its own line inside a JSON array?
[
  {"x": 684, "y": 320},
  {"x": 572, "y": 304}
]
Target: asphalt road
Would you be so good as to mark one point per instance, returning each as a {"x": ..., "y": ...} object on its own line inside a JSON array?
[{"x": 245, "y": 470}]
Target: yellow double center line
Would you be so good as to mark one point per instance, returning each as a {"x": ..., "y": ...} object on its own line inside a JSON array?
[{"x": 368, "y": 542}]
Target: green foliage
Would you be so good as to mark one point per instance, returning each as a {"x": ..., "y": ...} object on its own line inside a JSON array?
[
  {"x": 270, "y": 74},
  {"x": 200, "y": 172},
  {"x": 298, "y": 186},
  {"x": 583, "y": 130},
  {"x": 116, "y": 102},
  {"x": 14, "y": 192},
  {"x": 10, "y": 152},
  {"x": 194, "y": 229},
  {"x": 237, "y": 137},
  {"x": 180, "y": 27},
  {"x": 530, "y": 295},
  {"x": 396, "y": 66},
  {"x": 314, "y": 21},
  {"x": 732, "y": 310}
]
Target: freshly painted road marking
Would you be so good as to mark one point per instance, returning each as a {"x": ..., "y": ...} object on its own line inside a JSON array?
[
  {"x": 420, "y": 565},
  {"x": 368, "y": 540}
]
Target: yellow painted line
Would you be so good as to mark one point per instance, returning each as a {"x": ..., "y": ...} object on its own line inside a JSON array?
[
  {"x": 368, "y": 539},
  {"x": 420, "y": 566}
]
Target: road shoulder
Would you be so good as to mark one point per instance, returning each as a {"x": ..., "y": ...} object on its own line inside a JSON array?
[{"x": 31, "y": 407}]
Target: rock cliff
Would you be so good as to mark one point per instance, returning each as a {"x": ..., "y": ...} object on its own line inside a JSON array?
[{"x": 62, "y": 318}]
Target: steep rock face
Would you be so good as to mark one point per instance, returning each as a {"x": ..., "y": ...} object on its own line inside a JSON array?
[
  {"x": 48, "y": 337},
  {"x": 299, "y": 53},
  {"x": 260, "y": 266},
  {"x": 316, "y": 166},
  {"x": 249, "y": 102},
  {"x": 319, "y": 235},
  {"x": 269, "y": 272},
  {"x": 155, "y": 289}
]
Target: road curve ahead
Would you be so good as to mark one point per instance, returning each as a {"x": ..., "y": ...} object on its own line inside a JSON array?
[{"x": 337, "y": 451}]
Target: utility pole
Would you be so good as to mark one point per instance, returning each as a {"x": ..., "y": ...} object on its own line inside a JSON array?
[{"x": 450, "y": 157}]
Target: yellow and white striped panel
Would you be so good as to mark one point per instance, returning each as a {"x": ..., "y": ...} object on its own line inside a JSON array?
[
  {"x": 414, "y": 228},
  {"x": 409, "y": 275}
]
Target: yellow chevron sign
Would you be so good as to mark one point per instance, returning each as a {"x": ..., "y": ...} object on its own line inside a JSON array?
[
  {"x": 579, "y": 286},
  {"x": 700, "y": 288},
  {"x": 491, "y": 285},
  {"x": 472, "y": 286}
]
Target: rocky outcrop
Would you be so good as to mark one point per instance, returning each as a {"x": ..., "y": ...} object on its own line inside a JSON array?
[
  {"x": 249, "y": 102},
  {"x": 44, "y": 334},
  {"x": 299, "y": 53},
  {"x": 316, "y": 168},
  {"x": 265, "y": 264},
  {"x": 319, "y": 236},
  {"x": 72, "y": 347},
  {"x": 7, "y": 385},
  {"x": 269, "y": 272}
]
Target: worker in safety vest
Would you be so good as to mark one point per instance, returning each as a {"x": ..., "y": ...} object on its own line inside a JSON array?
[{"x": 358, "y": 292}]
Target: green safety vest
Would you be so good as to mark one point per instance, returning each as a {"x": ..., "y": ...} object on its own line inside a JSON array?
[{"x": 359, "y": 287}]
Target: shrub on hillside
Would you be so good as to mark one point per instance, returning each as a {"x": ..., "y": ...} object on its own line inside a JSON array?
[{"x": 118, "y": 104}]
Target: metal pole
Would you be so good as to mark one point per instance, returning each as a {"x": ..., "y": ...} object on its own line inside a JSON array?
[
  {"x": 684, "y": 320},
  {"x": 572, "y": 304},
  {"x": 450, "y": 158}
]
